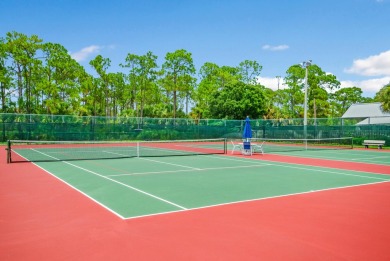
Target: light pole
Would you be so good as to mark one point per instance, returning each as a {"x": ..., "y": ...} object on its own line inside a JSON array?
[
  {"x": 305, "y": 65},
  {"x": 278, "y": 77}
]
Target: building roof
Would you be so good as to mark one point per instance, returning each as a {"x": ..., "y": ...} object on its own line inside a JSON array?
[
  {"x": 377, "y": 120},
  {"x": 365, "y": 110}
]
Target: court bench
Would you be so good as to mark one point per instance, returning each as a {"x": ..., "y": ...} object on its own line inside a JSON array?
[{"x": 379, "y": 143}]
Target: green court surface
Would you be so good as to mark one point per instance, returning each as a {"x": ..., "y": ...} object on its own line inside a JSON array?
[
  {"x": 135, "y": 187},
  {"x": 355, "y": 155}
]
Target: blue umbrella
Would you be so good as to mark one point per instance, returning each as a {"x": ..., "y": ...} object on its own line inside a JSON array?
[{"x": 247, "y": 130}]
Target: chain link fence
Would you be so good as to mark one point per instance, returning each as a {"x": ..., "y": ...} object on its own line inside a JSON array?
[{"x": 67, "y": 127}]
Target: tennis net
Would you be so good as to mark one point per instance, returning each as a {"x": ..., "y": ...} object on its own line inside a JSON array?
[
  {"x": 35, "y": 151},
  {"x": 286, "y": 145}
]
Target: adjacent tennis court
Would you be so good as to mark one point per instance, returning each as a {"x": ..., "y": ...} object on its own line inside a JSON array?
[
  {"x": 355, "y": 155},
  {"x": 149, "y": 180}
]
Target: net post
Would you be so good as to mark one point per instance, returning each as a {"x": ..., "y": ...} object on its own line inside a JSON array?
[
  {"x": 138, "y": 149},
  {"x": 225, "y": 146},
  {"x": 8, "y": 149}
]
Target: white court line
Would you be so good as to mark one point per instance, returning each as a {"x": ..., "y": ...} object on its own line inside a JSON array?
[
  {"x": 376, "y": 162},
  {"x": 314, "y": 168},
  {"x": 287, "y": 165},
  {"x": 367, "y": 159},
  {"x": 124, "y": 155},
  {"x": 177, "y": 165},
  {"x": 379, "y": 157},
  {"x": 358, "y": 160},
  {"x": 73, "y": 187},
  {"x": 184, "y": 170},
  {"x": 118, "y": 182},
  {"x": 258, "y": 199}
]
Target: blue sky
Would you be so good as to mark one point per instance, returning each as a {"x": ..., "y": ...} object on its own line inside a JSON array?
[{"x": 349, "y": 38}]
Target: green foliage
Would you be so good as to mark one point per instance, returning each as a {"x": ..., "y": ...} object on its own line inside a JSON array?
[
  {"x": 41, "y": 77},
  {"x": 25, "y": 67},
  {"x": 236, "y": 101},
  {"x": 342, "y": 99},
  {"x": 142, "y": 76},
  {"x": 383, "y": 96},
  {"x": 177, "y": 81},
  {"x": 249, "y": 71},
  {"x": 213, "y": 78},
  {"x": 5, "y": 80},
  {"x": 320, "y": 84}
]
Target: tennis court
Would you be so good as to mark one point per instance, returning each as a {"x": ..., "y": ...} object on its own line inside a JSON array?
[
  {"x": 140, "y": 182},
  {"x": 356, "y": 155},
  {"x": 163, "y": 181}
]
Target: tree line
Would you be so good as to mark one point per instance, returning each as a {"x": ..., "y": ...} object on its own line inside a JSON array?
[{"x": 38, "y": 77}]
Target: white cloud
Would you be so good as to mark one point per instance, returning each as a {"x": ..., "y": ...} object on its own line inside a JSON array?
[
  {"x": 111, "y": 47},
  {"x": 271, "y": 83},
  {"x": 375, "y": 65},
  {"x": 281, "y": 47},
  {"x": 368, "y": 86},
  {"x": 86, "y": 52}
]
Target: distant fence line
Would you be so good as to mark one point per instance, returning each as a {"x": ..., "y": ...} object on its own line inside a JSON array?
[{"x": 69, "y": 127}]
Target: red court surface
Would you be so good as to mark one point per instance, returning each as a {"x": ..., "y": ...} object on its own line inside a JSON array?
[{"x": 42, "y": 218}]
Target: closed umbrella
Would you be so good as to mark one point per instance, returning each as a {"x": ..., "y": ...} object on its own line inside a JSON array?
[
  {"x": 247, "y": 134},
  {"x": 247, "y": 129}
]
